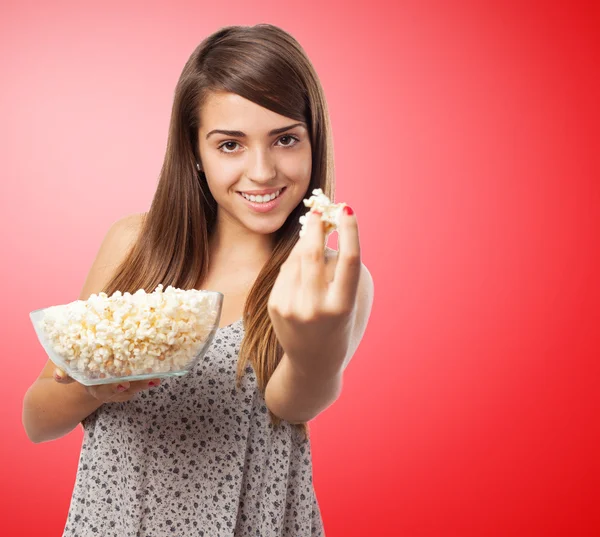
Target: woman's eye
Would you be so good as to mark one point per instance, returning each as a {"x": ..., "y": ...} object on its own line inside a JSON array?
[
  {"x": 289, "y": 138},
  {"x": 229, "y": 144}
]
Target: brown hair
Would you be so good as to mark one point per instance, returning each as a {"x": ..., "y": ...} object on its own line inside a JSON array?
[{"x": 267, "y": 66}]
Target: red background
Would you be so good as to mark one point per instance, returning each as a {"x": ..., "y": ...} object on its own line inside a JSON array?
[{"x": 467, "y": 140}]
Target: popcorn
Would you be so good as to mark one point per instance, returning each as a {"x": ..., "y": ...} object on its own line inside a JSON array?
[
  {"x": 331, "y": 212},
  {"x": 131, "y": 334}
]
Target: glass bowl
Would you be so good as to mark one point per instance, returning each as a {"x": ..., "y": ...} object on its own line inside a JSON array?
[{"x": 145, "y": 367}]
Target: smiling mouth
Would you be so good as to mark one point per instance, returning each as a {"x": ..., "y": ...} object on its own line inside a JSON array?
[{"x": 264, "y": 198}]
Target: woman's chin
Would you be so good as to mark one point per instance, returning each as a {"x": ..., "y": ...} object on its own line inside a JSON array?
[{"x": 264, "y": 228}]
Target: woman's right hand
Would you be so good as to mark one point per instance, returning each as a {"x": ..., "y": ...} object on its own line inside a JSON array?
[{"x": 110, "y": 393}]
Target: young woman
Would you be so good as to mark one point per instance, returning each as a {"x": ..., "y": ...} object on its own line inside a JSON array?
[{"x": 223, "y": 451}]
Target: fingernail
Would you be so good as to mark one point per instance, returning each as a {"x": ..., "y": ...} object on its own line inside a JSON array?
[
  {"x": 121, "y": 388},
  {"x": 348, "y": 210},
  {"x": 152, "y": 384},
  {"x": 57, "y": 377}
]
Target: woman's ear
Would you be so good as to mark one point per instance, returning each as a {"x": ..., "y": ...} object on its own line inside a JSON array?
[{"x": 199, "y": 166}]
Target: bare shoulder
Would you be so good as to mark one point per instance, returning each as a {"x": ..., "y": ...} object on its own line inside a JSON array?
[
  {"x": 122, "y": 234},
  {"x": 130, "y": 224},
  {"x": 116, "y": 245}
]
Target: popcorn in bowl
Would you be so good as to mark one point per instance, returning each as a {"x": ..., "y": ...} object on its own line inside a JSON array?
[
  {"x": 128, "y": 336},
  {"x": 330, "y": 212}
]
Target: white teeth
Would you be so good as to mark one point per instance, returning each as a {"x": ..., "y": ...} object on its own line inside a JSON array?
[{"x": 262, "y": 199}]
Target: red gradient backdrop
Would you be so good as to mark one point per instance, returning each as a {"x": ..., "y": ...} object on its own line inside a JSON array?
[{"x": 467, "y": 140}]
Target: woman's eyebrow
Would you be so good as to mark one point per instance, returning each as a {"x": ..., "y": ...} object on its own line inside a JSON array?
[{"x": 240, "y": 134}]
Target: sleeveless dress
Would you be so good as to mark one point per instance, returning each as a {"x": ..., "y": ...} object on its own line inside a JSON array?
[{"x": 195, "y": 456}]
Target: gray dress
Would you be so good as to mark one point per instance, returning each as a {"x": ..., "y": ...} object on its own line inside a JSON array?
[{"x": 195, "y": 456}]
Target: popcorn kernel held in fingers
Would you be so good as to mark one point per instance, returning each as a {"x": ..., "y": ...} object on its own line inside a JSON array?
[{"x": 329, "y": 212}]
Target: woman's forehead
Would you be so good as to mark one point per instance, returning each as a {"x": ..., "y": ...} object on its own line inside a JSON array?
[{"x": 229, "y": 111}]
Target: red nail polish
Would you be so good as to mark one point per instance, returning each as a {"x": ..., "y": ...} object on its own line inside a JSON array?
[
  {"x": 348, "y": 210},
  {"x": 121, "y": 388},
  {"x": 152, "y": 384}
]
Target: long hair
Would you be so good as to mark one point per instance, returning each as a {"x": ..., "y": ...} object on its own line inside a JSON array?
[{"x": 267, "y": 66}]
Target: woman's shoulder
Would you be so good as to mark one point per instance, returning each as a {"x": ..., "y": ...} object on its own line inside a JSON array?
[
  {"x": 121, "y": 236},
  {"x": 131, "y": 223},
  {"x": 126, "y": 230},
  {"x": 116, "y": 244}
]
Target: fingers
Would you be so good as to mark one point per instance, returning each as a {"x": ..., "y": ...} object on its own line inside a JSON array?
[
  {"x": 131, "y": 388},
  {"x": 61, "y": 377},
  {"x": 134, "y": 386},
  {"x": 124, "y": 391},
  {"x": 113, "y": 392},
  {"x": 347, "y": 270},
  {"x": 121, "y": 387},
  {"x": 139, "y": 385},
  {"x": 313, "y": 254},
  {"x": 286, "y": 284}
]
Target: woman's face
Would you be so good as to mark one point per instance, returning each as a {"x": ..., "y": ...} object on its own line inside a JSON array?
[{"x": 253, "y": 161}]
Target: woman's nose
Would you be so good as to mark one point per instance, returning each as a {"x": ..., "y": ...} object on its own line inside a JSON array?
[{"x": 261, "y": 166}]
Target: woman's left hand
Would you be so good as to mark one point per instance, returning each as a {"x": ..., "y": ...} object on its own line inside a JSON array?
[{"x": 312, "y": 317}]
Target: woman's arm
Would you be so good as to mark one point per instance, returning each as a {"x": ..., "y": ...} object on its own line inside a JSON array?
[{"x": 52, "y": 409}]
